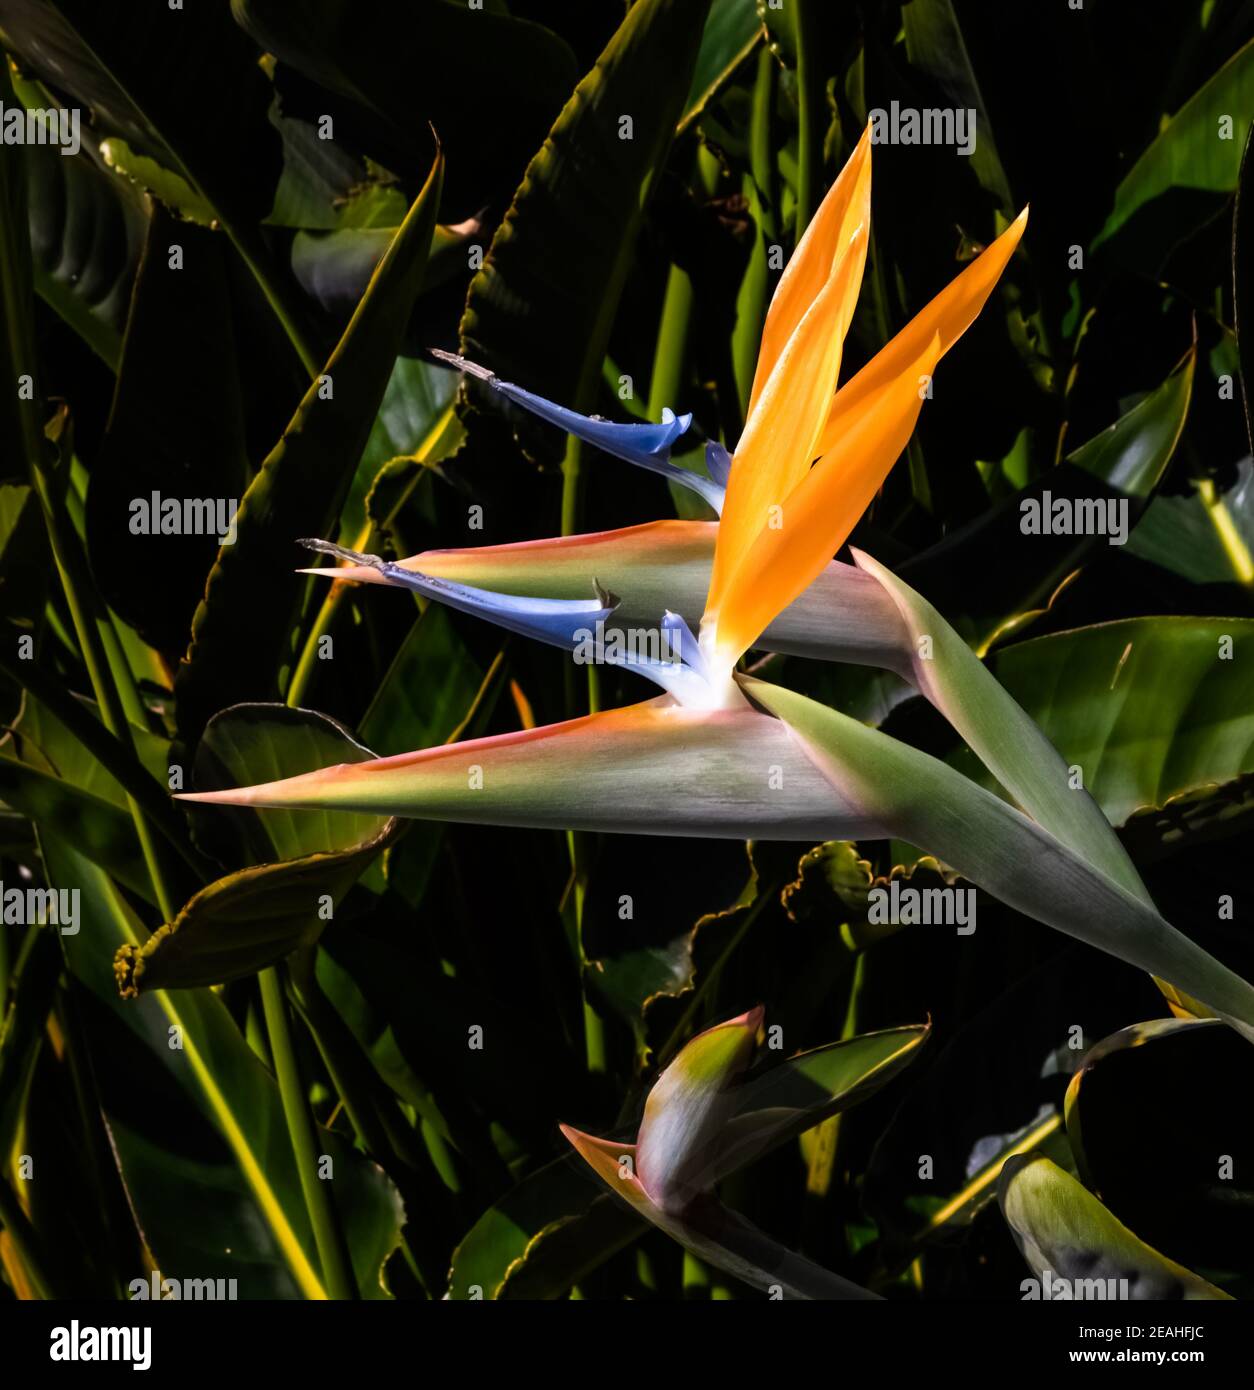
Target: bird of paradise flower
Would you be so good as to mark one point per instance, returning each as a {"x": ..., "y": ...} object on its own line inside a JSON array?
[{"x": 721, "y": 753}]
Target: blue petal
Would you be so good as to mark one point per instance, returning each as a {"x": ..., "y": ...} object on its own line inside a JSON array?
[
  {"x": 566, "y": 623},
  {"x": 717, "y": 463},
  {"x": 647, "y": 446},
  {"x": 682, "y": 638},
  {"x": 552, "y": 620}
]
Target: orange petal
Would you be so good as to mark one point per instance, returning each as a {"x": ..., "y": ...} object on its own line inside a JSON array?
[
  {"x": 948, "y": 316},
  {"x": 605, "y": 1158},
  {"x": 824, "y": 507},
  {"x": 846, "y": 205},
  {"x": 781, "y": 438},
  {"x": 798, "y": 363}
]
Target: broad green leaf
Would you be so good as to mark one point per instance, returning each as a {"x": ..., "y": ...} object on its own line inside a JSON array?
[
  {"x": 300, "y": 490},
  {"x": 935, "y": 46},
  {"x": 146, "y": 78},
  {"x": 1063, "y": 1230},
  {"x": 731, "y": 33},
  {"x": 579, "y": 206},
  {"x": 59, "y": 733},
  {"x": 45, "y": 741},
  {"x": 1132, "y": 455},
  {"x": 264, "y": 740},
  {"x": 86, "y": 233},
  {"x": 1147, "y": 708},
  {"x": 246, "y": 921},
  {"x": 87, "y": 240},
  {"x": 1180, "y": 180},
  {"x": 258, "y": 915}
]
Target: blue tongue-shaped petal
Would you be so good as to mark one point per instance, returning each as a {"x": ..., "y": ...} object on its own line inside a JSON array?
[
  {"x": 552, "y": 620},
  {"x": 647, "y": 446},
  {"x": 717, "y": 462},
  {"x": 577, "y": 625}
]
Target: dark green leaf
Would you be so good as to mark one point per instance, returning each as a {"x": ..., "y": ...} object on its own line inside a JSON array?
[
  {"x": 299, "y": 492},
  {"x": 578, "y": 207}
]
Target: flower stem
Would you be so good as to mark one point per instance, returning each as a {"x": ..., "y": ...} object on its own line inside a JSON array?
[
  {"x": 810, "y": 113},
  {"x": 337, "y": 1269},
  {"x": 88, "y": 628}
]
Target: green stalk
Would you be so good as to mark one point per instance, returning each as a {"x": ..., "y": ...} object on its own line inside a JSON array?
[
  {"x": 809, "y": 115},
  {"x": 1230, "y": 537},
  {"x": 578, "y": 844},
  {"x": 354, "y": 1081},
  {"x": 762, "y": 194},
  {"x": 337, "y": 1269},
  {"x": 572, "y": 486},
  {"x": 71, "y": 569},
  {"x": 762, "y": 144},
  {"x": 672, "y": 343}
]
